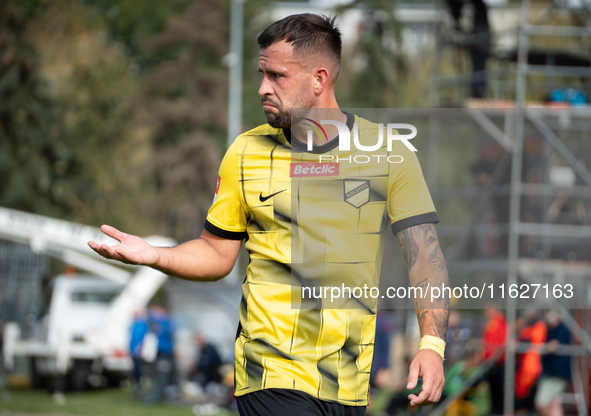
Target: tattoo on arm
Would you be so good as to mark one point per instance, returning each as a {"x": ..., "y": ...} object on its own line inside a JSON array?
[
  {"x": 411, "y": 238},
  {"x": 429, "y": 234},
  {"x": 416, "y": 242},
  {"x": 409, "y": 247},
  {"x": 433, "y": 321},
  {"x": 423, "y": 282},
  {"x": 421, "y": 314},
  {"x": 436, "y": 259},
  {"x": 402, "y": 238},
  {"x": 440, "y": 317}
]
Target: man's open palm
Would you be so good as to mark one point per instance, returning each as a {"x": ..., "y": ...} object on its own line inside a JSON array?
[{"x": 131, "y": 249}]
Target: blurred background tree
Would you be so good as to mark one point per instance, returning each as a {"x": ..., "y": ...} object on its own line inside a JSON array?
[
  {"x": 90, "y": 83},
  {"x": 113, "y": 111},
  {"x": 184, "y": 94},
  {"x": 178, "y": 49},
  {"x": 67, "y": 127},
  {"x": 376, "y": 72},
  {"x": 375, "y": 68},
  {"x": 34, "y": 161}
]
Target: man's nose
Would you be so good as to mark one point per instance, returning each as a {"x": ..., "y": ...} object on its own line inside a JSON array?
[{"x": 265, "y": 88}]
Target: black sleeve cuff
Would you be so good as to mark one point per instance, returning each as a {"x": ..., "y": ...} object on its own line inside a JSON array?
[
  {"x": 416, "y": 220},
  {"x": 230, "y": 235}
]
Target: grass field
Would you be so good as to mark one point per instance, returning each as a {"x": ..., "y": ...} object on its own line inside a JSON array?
[{"x": 108, "y": 402}]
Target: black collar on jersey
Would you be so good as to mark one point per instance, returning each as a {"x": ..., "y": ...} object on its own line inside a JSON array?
[{"x": 326, "y": 147}]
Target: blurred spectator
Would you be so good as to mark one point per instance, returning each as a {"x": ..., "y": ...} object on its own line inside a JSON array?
[
  {"x": 556, "y": 373},
  {"x": 139, "y": 328},
  {"x": 381, "y": 352},
  {"x": 456, "y": 377},
  {"x": 160, "y": 324},
  {"x": 494, "y": 338},
  {"x": 207, "y": 367},
  {"x": 456, "y": 337},
  {"x": 478, "y": 43},
  {"x": 529, "y": 366}
]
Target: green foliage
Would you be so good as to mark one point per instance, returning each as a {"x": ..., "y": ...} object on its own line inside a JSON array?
[
  {"x": 89, "y": 81},
  {"x": 178, "y": 47},
  {"x": 184, "y": 94},
  {"x": 113, "y": 111},
  {"x": 377, "y": 72},
  {"x": 66, "y": 122},
  {"x": 380, "y": 68},
  {"x": 254, "y": 23},
  {"x": 131, "y": 22},
  {"x": 34, "y": 161}
]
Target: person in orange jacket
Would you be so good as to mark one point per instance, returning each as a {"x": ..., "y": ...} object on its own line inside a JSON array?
[
  {"x": 494, "y": 338},
  {"x": 529, "y": 367}
]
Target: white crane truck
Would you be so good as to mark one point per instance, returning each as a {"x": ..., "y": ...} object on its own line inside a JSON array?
[{"x": 84, "y": 333}]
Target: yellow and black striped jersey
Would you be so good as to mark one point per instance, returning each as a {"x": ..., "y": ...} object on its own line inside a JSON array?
[{"x": 310, "y": 225}]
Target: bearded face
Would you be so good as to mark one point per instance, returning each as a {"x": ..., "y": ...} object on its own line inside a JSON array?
[{"x": 286, "y": 85}]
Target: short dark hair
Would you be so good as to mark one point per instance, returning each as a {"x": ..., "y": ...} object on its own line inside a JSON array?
[{"x": 305, "y": 32}]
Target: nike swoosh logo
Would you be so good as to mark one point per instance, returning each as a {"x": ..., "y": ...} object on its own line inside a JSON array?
[{"x": 264, "y": 198}]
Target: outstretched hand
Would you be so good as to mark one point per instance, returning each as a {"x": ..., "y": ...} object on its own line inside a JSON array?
[
  {"x": 428, "y": 365},
  {"x": 131, "y": 249}
]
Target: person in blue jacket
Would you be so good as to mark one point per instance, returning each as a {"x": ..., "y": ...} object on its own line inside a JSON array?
[
  {"x": 160, "y": 323},
  {"x": 556, "y": 369},
  {"x": 139, "y": 328}
]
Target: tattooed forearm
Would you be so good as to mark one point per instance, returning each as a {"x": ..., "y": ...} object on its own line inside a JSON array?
[
  {"x": 440, "y": 317},
  {"x": 421, "y": 314},
  {"x": 426, "y": 266},
  {"x": 433, "y": 321}
]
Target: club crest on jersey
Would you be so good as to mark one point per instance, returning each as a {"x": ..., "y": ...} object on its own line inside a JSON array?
[{"x": 356, "y": 192}]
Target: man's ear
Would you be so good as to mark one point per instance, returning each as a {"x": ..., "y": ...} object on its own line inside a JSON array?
[{"x": 322, "y": 80}]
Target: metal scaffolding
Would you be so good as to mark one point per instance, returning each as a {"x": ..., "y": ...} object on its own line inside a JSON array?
[{"x": 512, "y": 131}]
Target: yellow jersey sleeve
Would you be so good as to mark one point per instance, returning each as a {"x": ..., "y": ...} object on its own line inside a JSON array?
[
  {"x": 227, "y": 216},
  {"x": 409, "y": 200}
]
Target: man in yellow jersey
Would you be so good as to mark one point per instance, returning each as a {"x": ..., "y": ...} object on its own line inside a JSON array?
[{"x": 309, "y": 225}]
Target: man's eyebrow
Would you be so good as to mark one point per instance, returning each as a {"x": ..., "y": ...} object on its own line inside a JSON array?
[{"x": 270, "y": 71}]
